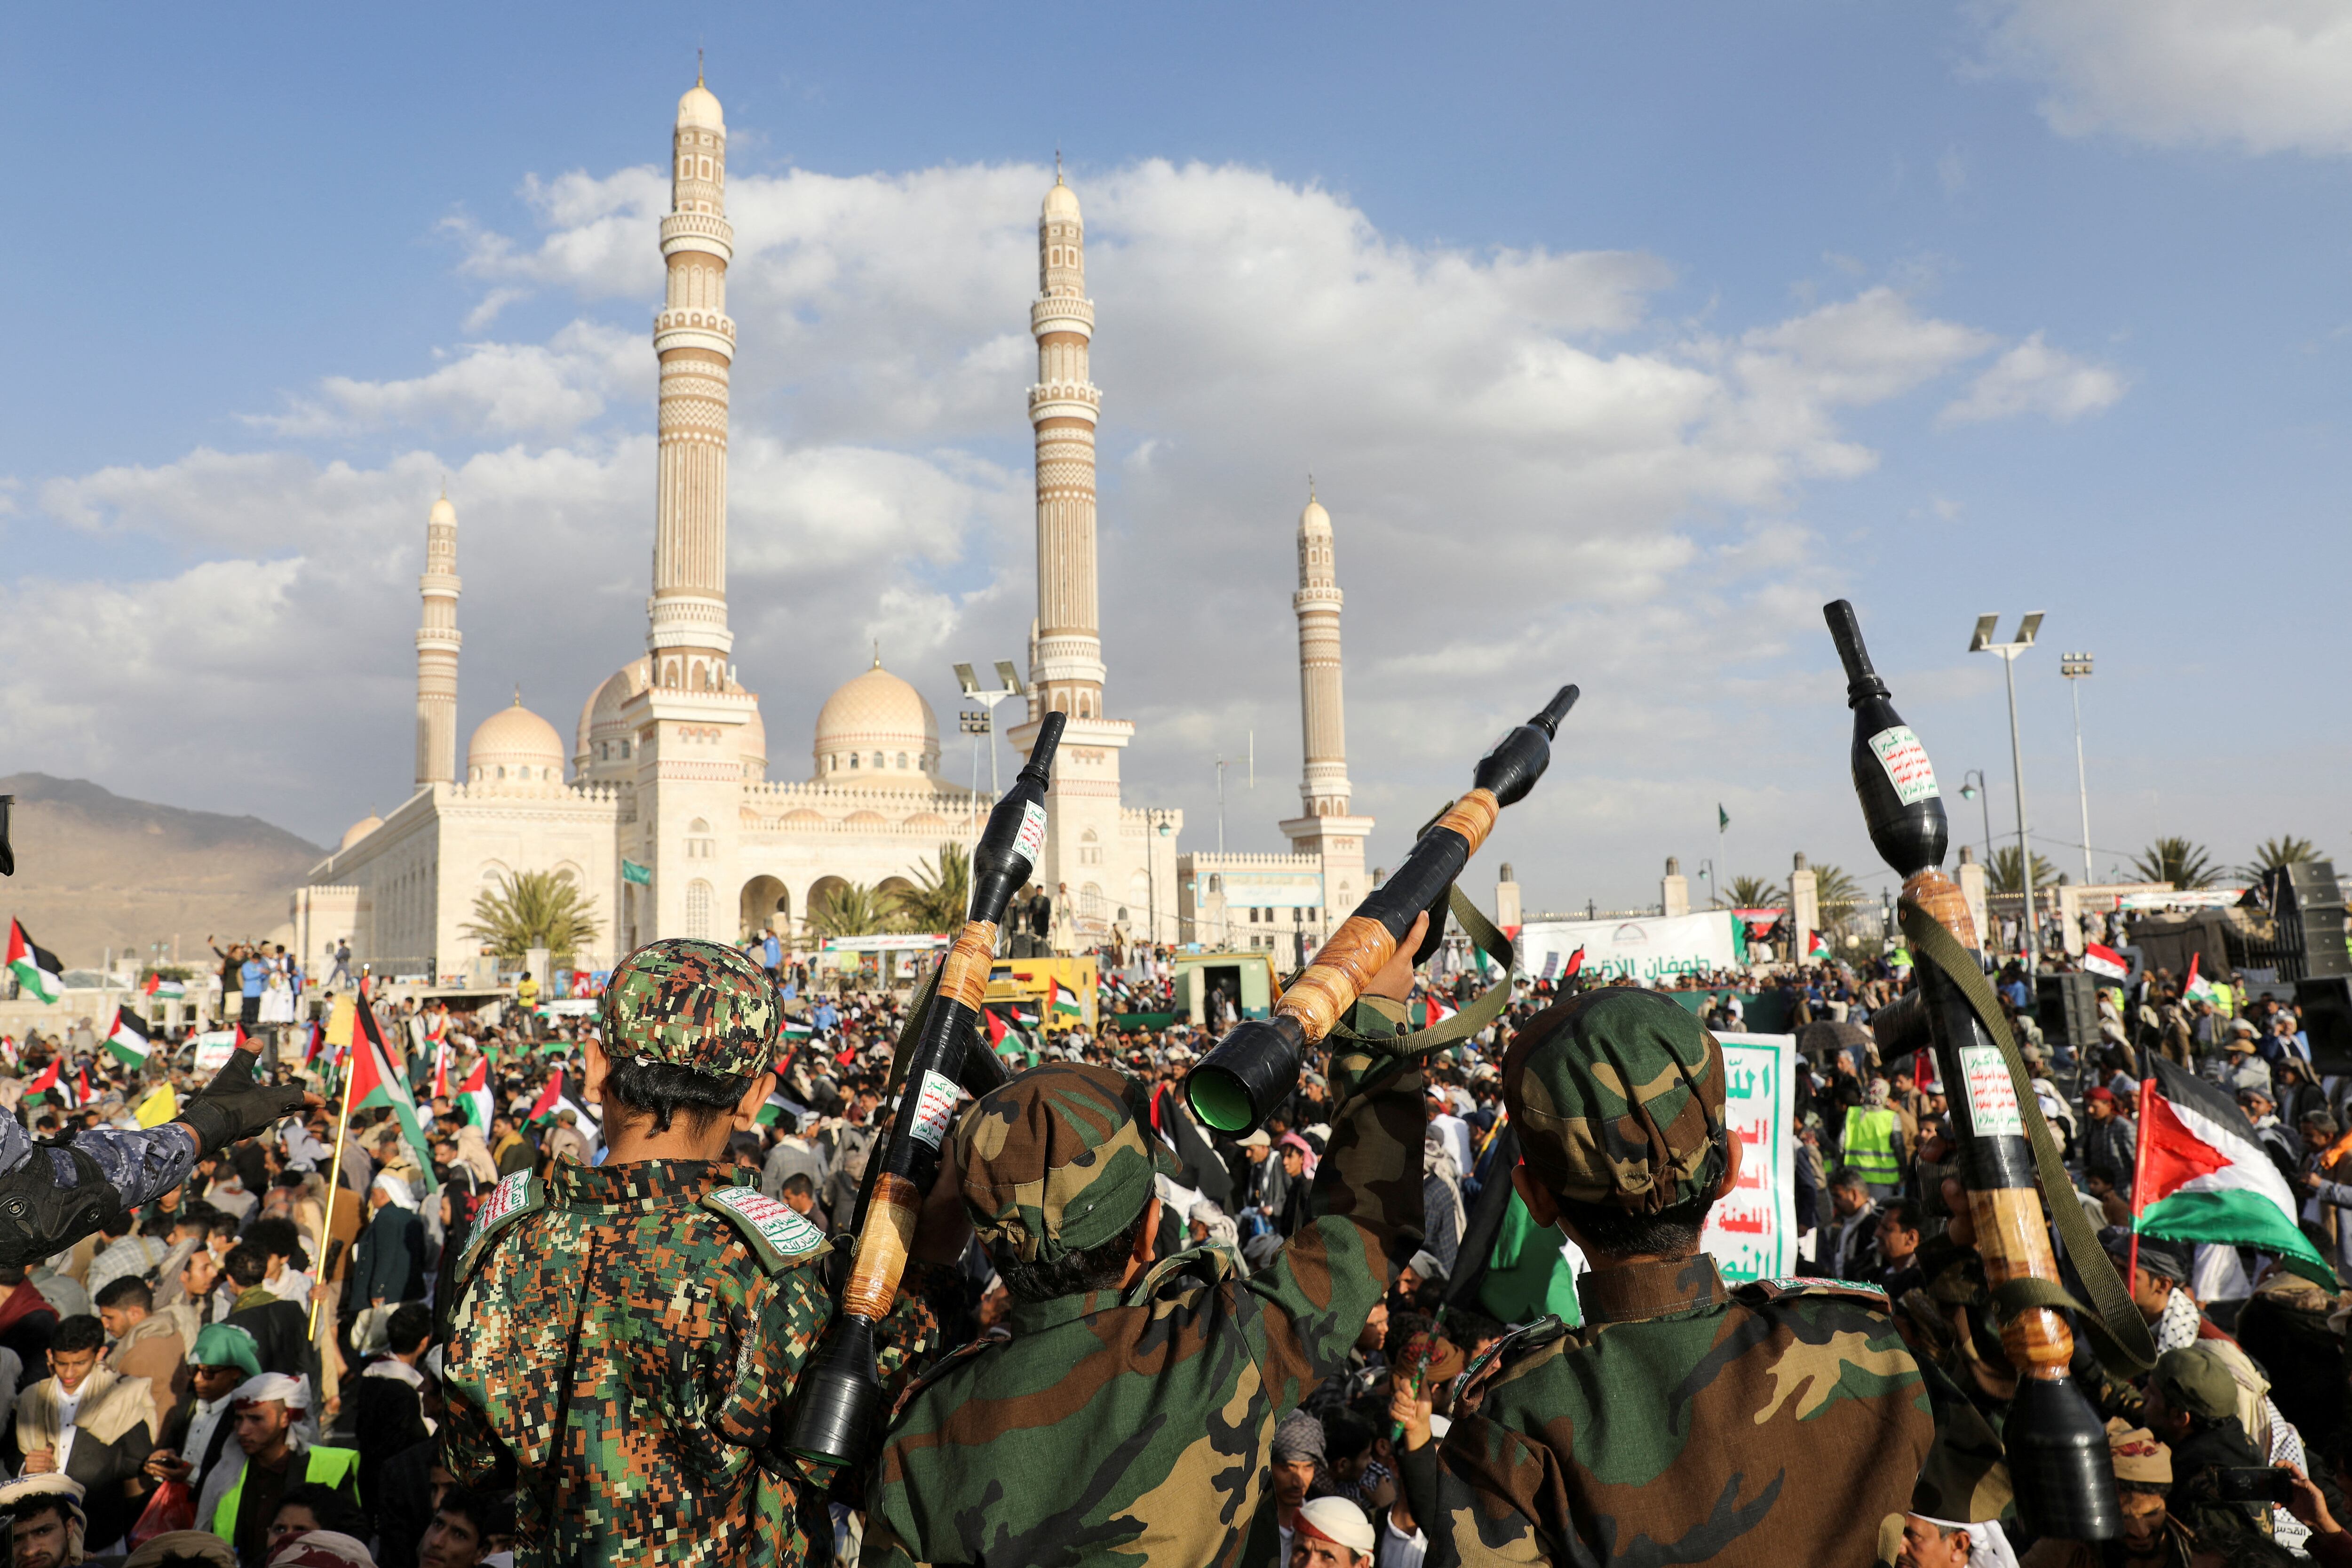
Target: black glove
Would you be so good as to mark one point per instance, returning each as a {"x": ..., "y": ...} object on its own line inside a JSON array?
[{"x": 233, "y": 1105}]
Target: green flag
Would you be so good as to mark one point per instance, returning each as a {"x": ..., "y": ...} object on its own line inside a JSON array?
[
  {"x": 630, "y": 871},
  {"x": 1722, "y": 820}
]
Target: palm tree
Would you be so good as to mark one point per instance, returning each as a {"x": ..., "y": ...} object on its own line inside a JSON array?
[
  {"x": 2273, "y": 853},
  {"x": 942, "y": 892},
  {"x": 853, "y": 908},
  {"x": 2178, "y": 861},
  {"x": 2000, "y": 877},
  {"x": 1837, "y": 896},
  {"x": 1756, "y": 893},
  {"x": 532, "y": 908}
]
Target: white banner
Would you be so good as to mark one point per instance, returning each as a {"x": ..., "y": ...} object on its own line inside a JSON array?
[
  {"x": 1752, "y": 1231},
  {"x": 1646, "y": 950}
]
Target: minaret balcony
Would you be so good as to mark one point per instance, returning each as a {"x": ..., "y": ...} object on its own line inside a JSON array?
[
  {"x": 1077, "y": 400},
  {"x": 705, "y": 232},
  {"x": 1061, "y": 314},
  {"x": 694, "y": 330}
]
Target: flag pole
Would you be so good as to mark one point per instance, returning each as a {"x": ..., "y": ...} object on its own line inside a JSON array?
[
  {"x": 335, "y": 1171},
  {"x": 2139, "y": 1162}
]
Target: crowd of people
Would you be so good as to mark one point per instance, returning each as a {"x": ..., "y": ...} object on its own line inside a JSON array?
[{"x": 270, "y": 1363}]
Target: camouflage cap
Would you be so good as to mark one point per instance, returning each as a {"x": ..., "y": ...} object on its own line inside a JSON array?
[
  {"x": 692, "y": 1004},
  {"x": 1617, "y": 1094},
  {"x": 1058, "y": 1159}
]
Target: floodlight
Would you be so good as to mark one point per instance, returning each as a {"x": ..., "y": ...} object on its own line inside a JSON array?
[
  {"x": 2028, "y": 626},
  {"x": 1984, "y": 638},
  {"x": 1012, "y": 678},
  {"x": 969, "y": 682}
]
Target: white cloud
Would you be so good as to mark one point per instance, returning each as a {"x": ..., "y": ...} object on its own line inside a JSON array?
[
  {"x": 1532, "y": 480},
  {"x": 2034, "y": 378},
  {"x": 2261, "y": 76}
]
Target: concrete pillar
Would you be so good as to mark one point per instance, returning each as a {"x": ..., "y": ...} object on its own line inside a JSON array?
[
  {"x": 1972, "y": 888},
  {"x": 1804, "y": 908},
  {"x": 1506, "y": 902},
  {"x": 1673, "y": 890}
]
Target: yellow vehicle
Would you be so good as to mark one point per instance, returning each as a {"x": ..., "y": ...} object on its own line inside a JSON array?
[
  {"x": 1217, "y": 990},
  {"x": 1028, "y": 984}
]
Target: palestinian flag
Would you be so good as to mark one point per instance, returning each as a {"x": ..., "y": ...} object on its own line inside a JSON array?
[
  {"x": 163, "y": 989},
  {"x": 1435, "y": 1010},
  {"x": 1816, "y": 945},
  {"x": 81, "y": 1095},
  {"x": 373, "y": 1085},
  {"x": 2196, "y": 987},
  {"x": 35, "y": 967},
  {"x": 46, "y": 1082},
  {"x": 474, "y": 1096},
  {"x": 777, "y": 1108},
  {"x": 441, "y": 1070},
  {"x": 1575, "y": 964},
  {"x": 2202, "y": 1175},
  {"x": 128, "y": 1039},
  {"x": 797, "y": 1029},
  {"x": 1062, "y": 1001},
  {"x": 999, "y": 1031},
  {"x": 311, "y": 1041},
  {"x": 553, "y": 1101},
  {"x": 2105, "y": 962}
]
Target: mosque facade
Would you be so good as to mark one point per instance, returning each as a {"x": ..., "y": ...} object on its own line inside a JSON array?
[{"x": 659, "y": 808}]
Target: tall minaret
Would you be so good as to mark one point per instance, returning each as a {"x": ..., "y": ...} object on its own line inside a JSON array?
[
  {"x": 1323, "y": 726},
  {"x": 1066, "y": 670},
  {"x": 695, "y": 341},
  {"x": 437, "y": 650},
  {"x": 1323, "y": 829}
]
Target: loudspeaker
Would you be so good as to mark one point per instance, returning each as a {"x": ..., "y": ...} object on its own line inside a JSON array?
[
  {"x": 2067, "y": 1009},
  {"x": 2325, "y": 1004},
  {"x": 2309, "y": 907}
]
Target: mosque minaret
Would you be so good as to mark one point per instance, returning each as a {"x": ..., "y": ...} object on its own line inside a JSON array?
[
  {"x": 694, "y": 342},
  {"x": 437, "y": 650},
  {"x": 1323, "y": 726}
]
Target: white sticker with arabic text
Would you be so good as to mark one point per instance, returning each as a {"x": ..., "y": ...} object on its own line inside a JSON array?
[
  {"x": 935, "y": 1108},
  {"x": 1030, "y": 842},
  {"x": 1992, "y": 1094},
  {"x": 1906, "y": 762}
]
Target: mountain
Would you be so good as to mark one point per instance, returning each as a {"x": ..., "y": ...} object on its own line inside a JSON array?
[{"x": 96, "y": 871}]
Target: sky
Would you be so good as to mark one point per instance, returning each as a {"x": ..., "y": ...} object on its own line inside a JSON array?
[{"x": 1618, "y": 340}]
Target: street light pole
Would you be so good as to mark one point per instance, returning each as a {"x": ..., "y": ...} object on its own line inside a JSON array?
[
  {"x": 1972, "y": 787},
  {"x": 1982, "y": 643},
  {"x": 2076, "y": 668}
]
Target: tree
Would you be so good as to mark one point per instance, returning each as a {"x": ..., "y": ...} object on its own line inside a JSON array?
[
  {"x": 532, "y": 908},
  {"x": 942, "y": 896},
  {"x": 2000, "y": 877},
  {"x": 2178, "y": 861},
  {"x": 853, "y": 908},
  {"x": 2273, "y": 853},
  {"x": 1756, "y": 893},
  {"x": 1837, "y": 897}
]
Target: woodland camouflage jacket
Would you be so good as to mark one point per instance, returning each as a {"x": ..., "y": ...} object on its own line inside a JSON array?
[
  {"x": 1133, "y": 1428},
  {"x": 1773, "y": 1424},
  {"x": 630, "y": 1336}
]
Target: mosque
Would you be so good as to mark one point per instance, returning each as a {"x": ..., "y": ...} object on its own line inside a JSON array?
[{"x": 660, "y": 809}]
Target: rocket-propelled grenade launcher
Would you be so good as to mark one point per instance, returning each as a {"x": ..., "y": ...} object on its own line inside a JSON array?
[
  {"x": 1254, "y": 1068},
  {"x": 2057, "y": 1446},
  {"x": 838, "y": 1413}
]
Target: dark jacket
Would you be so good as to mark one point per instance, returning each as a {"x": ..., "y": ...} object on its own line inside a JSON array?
[{"x": 388, "y": 1264}]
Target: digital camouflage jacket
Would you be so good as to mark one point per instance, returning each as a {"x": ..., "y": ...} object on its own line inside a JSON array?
[
  {"x": 630, "y": 1336},
  {"x": 1773, "y": 1424},
  {"x": 1135, "y": 1427}
]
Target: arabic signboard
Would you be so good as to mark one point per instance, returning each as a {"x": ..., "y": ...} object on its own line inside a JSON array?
[
  {"x": 1648, "y": 949},
  {"x": 1752, "y": 1231}
]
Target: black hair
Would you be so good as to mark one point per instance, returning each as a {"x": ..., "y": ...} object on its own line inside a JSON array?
[
  {"x": 1344, "y": 1437},
  {"x": 2149, "y": 1488},
  {"x": 246, "y": 1265},
  {"x": 1096, "y": 1268},
  {"x": 277, "y": 1237},
  {"x": 1904, "y": 1212},
  {"x": 116, "y": 1226},
  {"x": 326, "y": 1505},
  {"x": 78, "y": 1333},
  {"x": 2105, "y": 1171},
  {"x": 490, "y": 1514},
  {"x": 1401, "y": 1327},
  {"x": 223, "y": 1223},
  {"x": 128, "y": 1290},
  {"x": 1849, "y": 1176},
  {"x": 799, "y": 1185},
  {"x": 410, "y": 1326},
  {"x": 1672, "y": 1232},
  {"x": 663, "y": 1089}
]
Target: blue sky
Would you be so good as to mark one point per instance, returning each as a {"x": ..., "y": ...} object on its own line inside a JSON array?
[{"x": 1618, "y": 338}]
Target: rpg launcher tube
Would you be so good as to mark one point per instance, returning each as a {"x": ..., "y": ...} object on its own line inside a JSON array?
[
  {"x": 2057, "y": 1446},
  {"x": 838, "y": 1413},
  {"x": 1254, "y": 1068}
]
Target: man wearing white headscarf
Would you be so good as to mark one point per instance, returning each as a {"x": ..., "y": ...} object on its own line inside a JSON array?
[
  {"x": 1332, "y": 1532},
  {"x": 1947, "y": 1543},
  {"x": 272, "y": 1454},
  {"x": 388, "y": 1263}
]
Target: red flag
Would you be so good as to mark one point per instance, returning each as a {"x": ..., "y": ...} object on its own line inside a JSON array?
[
  {"x": 2105, "y": 962},
  {"x": 996, "y": 1027},
  {"x": 46, "y": 1082},
  {"x": 81, "y": 1085},
  {"x": 441, "y": 1071},
  {"x": 550, "y": 1101},
  {"x": 1575, "y": 962}
]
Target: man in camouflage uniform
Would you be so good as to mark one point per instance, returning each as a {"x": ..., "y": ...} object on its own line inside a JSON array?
[
  {"x": 627, "y": 1336},
  {"x": 1685, "y": 1422},
  {"x": 1128, "y": 1415}
]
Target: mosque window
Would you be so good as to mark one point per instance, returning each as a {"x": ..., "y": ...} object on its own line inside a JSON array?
[
  {"x": 853, "y": 758},
  {"x": 902, "y": 760},
  {"x": 705, "y": 170},
  {"x": 879, "y": 761},
  {"x": 698, "y": 907},
  {"x": 502, "y": 773},
  {"x": 1215, "y": 883}
]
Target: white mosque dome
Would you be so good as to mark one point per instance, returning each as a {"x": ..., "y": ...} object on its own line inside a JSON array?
[
  {"x": 515, "y": 745},
  {"x": 752, "y": 745},
  {"x": 699, "y": 108},
  {"x": 876, "y": 730},
  {"x": 1314, "y": 520},
  {"x": 442, "y": 513},
  {"x": 360, "y": 829},
  {"x": 1061, "y": 201},
  {"x": 600, "y": 717}
]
